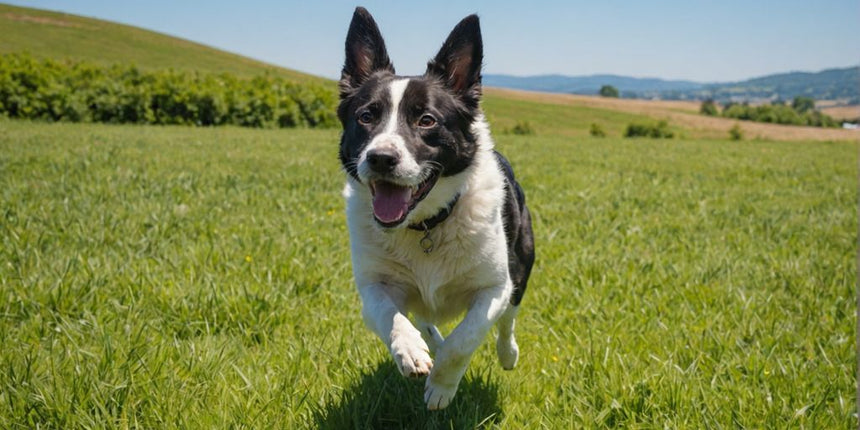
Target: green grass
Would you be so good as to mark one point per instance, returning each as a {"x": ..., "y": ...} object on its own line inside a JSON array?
[
  {"x": 547, "y": 119},
  {"x": 59, "y": 36},
  {"x": 175, "y": 277}
]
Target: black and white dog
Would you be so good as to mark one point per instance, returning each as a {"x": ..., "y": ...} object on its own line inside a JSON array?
[{"x": 438, "y": 226}]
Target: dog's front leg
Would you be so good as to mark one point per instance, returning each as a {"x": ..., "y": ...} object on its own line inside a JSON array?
[
  {"x": 453, "y": 355},
  {"x": 383, "y": 315}
]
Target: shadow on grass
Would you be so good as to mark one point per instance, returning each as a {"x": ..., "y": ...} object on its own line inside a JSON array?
[{"x": 382, "y": 398}]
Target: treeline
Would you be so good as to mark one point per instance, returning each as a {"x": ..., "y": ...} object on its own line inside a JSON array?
[
  {"x": 800, "y": 112},
  {"x": 85, "y": 92}
]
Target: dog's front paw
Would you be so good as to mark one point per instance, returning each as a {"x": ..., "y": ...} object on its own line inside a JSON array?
[
  {"x": 438, "y": 396},
  {"x": 411, "y": 355}
]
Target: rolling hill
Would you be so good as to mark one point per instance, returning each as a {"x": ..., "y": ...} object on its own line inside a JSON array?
[
  {"x": 56, "y": 35},
  {"x": 586, "y": 84}
]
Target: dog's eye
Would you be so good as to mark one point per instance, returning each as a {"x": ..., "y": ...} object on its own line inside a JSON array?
[
  {"x": 427, "y": 121},
  {"x": 365, "y": 117}
]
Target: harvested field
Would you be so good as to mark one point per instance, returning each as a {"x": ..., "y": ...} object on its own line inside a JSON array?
[{"x": 851, "y": 112}]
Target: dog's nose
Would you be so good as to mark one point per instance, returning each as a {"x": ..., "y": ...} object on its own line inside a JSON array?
[{"x": 382, "y": 160}]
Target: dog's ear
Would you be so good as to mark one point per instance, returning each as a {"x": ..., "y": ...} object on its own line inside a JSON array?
[
  {"x": 365, "y": 52},
  {"x": 458, "y": 63}
]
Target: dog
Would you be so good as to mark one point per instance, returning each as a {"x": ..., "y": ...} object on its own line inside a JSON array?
[{"x": 438, "y": 224}]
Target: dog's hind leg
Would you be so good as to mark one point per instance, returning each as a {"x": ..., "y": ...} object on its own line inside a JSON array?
[
  {"x": 506, "y": 343},
  {"x": 430, "y": 334}
]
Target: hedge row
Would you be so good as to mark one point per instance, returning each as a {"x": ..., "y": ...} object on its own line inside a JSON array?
[
  {"x": 800, "y": 112},
  {"x": 84, "y": 92},
  {"x": 658, "y": 130},
  {"x": 779, "y": 114}
]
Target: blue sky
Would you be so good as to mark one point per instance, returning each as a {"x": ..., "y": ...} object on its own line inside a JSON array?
[{"x": 674, "y": 39}]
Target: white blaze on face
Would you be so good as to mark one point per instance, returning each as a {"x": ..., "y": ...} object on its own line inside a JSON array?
[
  {"x": 408, "y": 169},
  {"x": 396, "y": 90}
]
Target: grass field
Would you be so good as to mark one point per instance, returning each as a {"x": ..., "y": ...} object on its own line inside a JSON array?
[
  {"x": 176, "y": 277},
  {"x": 170, "y": 277}
]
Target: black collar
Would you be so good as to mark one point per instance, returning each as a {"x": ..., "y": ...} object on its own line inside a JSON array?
[{"x": 429, "y": 223}]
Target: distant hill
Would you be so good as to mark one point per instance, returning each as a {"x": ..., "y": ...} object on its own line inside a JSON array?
[
  {"x": 586, "y": 84},
  {"x": 61, "y": 36},
  {"x": 831, "y": 84}
]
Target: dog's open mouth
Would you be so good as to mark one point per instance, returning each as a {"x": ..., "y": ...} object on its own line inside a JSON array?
[{"x": 392, "y": 202}]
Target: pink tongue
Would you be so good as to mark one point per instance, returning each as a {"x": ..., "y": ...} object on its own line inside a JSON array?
[{"x": 391, "y": 202}]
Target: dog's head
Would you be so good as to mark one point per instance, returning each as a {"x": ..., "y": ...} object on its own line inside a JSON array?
[{"x": 402, "y": 134}]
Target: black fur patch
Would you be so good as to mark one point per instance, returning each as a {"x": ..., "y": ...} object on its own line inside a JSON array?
[{"x": 518, "y": 232}]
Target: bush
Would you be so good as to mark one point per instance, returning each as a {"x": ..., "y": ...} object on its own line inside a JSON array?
[
  {"x": 522, "y": 128},
  {"x": 608, "y": 91},
  {"x": 709, "y": 108},
  {"x": 818, "y": 119},
  {"x": 736, "y": 133},
  {"x": 596, "y": 130},
  {"x": 660, "y": 130},
  {"x": 83, "y": 92}
]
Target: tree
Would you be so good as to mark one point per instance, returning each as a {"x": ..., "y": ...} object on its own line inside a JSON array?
[
  {"x": 803, "y": 104},
  {"x": 608, "y": 91}
]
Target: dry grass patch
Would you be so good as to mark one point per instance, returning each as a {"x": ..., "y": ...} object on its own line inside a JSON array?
[{"x": 851, "y": 112}]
